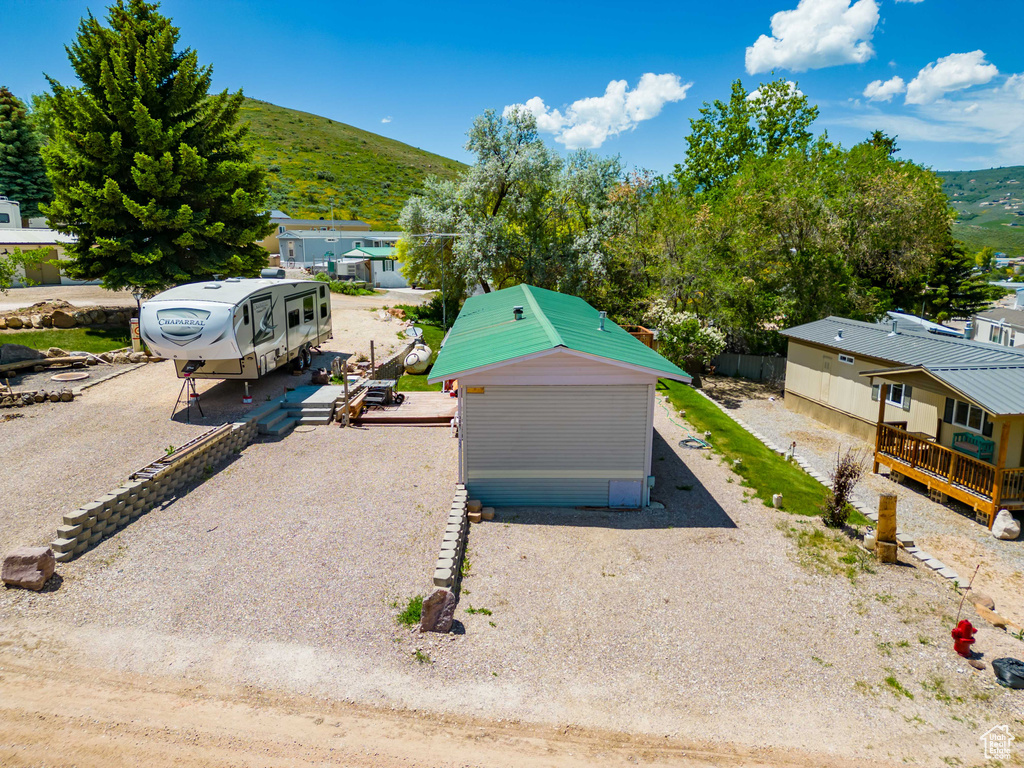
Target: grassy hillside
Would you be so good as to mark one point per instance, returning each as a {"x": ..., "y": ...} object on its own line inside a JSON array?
[
  {"x": 991, "y": 207},
  {"x": 313, "y": 160}
]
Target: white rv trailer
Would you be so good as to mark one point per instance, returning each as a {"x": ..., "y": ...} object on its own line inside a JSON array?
[{"x": 238, "y": 328}]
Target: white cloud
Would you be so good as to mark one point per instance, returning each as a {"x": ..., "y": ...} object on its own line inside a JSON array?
[
  {"x": 909, "y": 1},
  {"x": 950, "y": 73},
  {"x": 386, "y": 119},
  {"x": 992, "y": 117},
  {"x": 756, "y": 94},
  {"x": 817, "y": 34},
  {"x": 1015, "y": 84},
  {"x": 591, "y": 121},
  {"x": 876, "y": 90}
]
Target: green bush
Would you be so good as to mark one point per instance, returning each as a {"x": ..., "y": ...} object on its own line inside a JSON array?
[
  {"x": 323, "y": 277},
  {"x": 350, "y": 289}
]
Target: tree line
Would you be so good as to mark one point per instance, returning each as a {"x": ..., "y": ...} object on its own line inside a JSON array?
[{"x": 761, "y": 226}]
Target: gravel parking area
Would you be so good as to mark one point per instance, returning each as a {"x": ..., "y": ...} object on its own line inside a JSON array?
[
  {"x": 60, "y": 455},
  {"x": 286, "y": 571},
  {"x": 948, "y": 532}
]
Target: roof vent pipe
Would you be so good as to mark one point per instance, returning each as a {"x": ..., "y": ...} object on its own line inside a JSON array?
[
  {"x": 894, "y": 330},
  {"x": 517, "y": 313},
  {"x": 602, "y": 315},
  {"x": 839, "y": 335}
]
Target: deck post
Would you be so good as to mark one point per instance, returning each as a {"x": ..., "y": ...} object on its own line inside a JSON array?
[
  {"x": 997, "y": 485},
  {"x": 883, "y": 393}
]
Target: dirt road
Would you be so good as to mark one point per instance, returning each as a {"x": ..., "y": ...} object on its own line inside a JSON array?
[{"x": 58, "y": 714}]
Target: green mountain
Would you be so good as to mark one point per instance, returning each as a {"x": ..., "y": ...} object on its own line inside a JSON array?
[
  {"x": 315, "y": 162},
  {"x": 990, "y": 204}
]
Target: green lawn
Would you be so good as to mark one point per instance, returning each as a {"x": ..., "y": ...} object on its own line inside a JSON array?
[
  {"x": 432, "y": 336},
  {"x": 95, "y": 340},
  {"x": 762, "y": 470}
]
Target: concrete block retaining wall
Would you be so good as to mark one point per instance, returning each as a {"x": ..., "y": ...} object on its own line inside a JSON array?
[
  {"x": 91, "y": 523},
  {"x": 393, "y": 368},
  {"x": 453, "y": 541}
]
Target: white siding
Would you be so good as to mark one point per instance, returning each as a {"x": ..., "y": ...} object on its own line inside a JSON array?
[{"x": 554, "y": 445}]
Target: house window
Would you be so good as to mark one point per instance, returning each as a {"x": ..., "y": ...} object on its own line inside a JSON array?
[
  {"x": 994, "y": 333},
  {"x": 280, "y": 230},
  {"x": 898, "y": 395},
  {"x": 846, "y": 359},
  {"x": 970, "y": 416},
  {"x": 389, "y": 265}
]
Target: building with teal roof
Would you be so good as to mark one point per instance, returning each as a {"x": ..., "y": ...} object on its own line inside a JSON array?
[{"x": 556, "y": 401}]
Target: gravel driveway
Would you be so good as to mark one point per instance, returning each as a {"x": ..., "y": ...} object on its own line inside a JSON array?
[
  {"x": 286, "y": 571},
  {"x": 947, "y": 531}
]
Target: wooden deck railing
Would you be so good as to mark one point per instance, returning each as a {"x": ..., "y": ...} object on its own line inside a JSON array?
[
  {"x": 1013, "y": 485},
  {"x": 957, "y": 469}
]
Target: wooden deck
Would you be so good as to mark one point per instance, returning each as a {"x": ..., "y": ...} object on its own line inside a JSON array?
[
  {"x": 983, "y": 486},
  {"x": 435, "y": 409}
]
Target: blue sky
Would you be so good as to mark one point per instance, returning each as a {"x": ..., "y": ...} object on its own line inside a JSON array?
[{"x": 947, "y": 76}]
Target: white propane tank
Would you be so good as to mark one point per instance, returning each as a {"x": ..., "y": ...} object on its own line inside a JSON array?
[{"x": 418, "y": 359}]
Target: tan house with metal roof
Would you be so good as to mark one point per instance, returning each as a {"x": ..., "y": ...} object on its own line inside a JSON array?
[{"x": 944, "y": 411}]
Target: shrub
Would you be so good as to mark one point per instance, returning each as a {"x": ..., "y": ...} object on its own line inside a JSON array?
[
  {"x": 323, "y": 277},
  {"x": 845, "y": 475},
  {"x": 350, "y": 289}
]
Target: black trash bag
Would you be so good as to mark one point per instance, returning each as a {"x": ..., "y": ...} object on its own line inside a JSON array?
[{"x": 1009, "y": 672}]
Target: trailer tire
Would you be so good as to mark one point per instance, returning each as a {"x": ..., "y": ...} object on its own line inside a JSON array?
[{"x": 307, "y": 358}]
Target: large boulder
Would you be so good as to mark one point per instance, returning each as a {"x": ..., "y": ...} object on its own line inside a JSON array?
[
  {"x": 56, "y": 352},
  {"x": 14, "y": 322},
  {"x": 438, "y": 611},
  {"x": 36, "y": 320},
  {"x": 1006, "y": 526},
  {"x": 16, "y": 353},
  {"x": 28, "y": 567},
  {"x": 62, "y": 319}
]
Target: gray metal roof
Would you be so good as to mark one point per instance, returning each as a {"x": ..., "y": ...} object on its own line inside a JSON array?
[
  {"x": 908, "y": 346},
  {"x": 997, "y": 389}
]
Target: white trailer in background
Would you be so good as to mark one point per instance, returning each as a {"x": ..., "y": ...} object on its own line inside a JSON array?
[{"x": 238, "y": 328}]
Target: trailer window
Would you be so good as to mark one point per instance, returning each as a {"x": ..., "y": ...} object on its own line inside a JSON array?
[
  {"x": 308, "y": 311},
  {"x": 323, "y": 311},
  {"x": 293, "y": 318},
  {"x": 245, "y": 314},
  {"x": 323, "y": 291}
]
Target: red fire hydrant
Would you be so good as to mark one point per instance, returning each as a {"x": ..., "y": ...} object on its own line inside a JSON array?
[{"x": 963, "y": 636}]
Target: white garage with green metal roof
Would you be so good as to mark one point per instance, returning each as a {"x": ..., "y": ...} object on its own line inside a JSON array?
[{"x": 556, "y": 402}]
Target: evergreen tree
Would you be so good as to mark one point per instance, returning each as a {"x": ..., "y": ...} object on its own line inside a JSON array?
[
  {"x": 954, "y": 290},
  {"x": 150, "y": 172},
  {"x": 22, "y": 173}
]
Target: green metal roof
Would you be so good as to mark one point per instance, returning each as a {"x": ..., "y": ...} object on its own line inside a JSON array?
[
  {"x": 485, "y": 333},
  {"x": 387, "y": 252}
]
